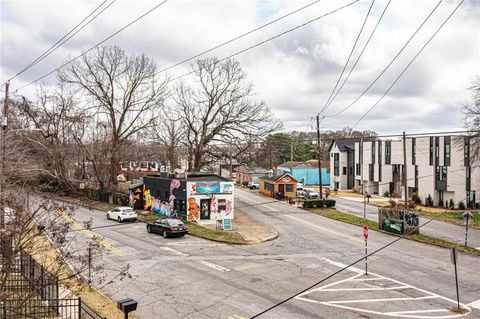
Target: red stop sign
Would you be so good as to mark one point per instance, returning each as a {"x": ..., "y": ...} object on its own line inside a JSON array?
[{"x": 365, "y": 232}]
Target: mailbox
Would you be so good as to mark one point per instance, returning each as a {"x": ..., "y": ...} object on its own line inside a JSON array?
[{"x": 127, "y": 305}]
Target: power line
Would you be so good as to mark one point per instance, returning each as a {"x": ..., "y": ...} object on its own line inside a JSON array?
[
  {"x": 389, "y": 64},
  {"x": 64, "y": 39},
  {"x": 238, "y": 37},
  {"x": 349, "y": 56},
  {"x": 95, "y": 46},
  {"x": 359, "y": 56},
  {"x": 274, "y": 37},
  {"x": 408, "y": 65}
]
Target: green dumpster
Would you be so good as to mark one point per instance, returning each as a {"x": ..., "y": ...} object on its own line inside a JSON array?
[{"x": 393, "y": 226}]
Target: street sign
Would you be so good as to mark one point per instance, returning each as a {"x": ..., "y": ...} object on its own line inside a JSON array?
[
  {"x": 365, "y": 232},
  {"x": 453, "y": 255}
]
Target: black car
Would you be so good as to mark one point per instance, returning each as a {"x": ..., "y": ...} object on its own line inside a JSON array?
[{"x": 167, "y": 227}]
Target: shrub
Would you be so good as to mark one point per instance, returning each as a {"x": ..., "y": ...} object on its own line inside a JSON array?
[
  {"x": 429, "y": 201},
  {"x": 461, "y": 205},
  {"x": 386, "y": 194},
  {"x": 411, "y": 205},
  {"x": 313, "y": 203},
  {"x": 416, "y": 199},
  {"x": 329, "y": 203},
  {"x": 393, "y": 203}
]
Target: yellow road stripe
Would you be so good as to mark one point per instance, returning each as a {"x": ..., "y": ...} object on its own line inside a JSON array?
[
  {"x": 236, "y": 317},
  {"x": 91, "y": 234}
]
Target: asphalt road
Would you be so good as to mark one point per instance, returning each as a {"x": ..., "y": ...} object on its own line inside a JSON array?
[
  {"x": 438, "y": 229},
  {"x": 194, "y": 278}
]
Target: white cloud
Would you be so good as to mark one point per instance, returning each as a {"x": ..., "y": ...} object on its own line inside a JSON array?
[{"x": 295, "y": 73}]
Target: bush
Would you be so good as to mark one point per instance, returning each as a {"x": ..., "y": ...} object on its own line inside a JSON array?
[
  {"x": 393, "y": 203},
  {"x": 329, "y": 203},
  {"x": 386, "y": 194},
  {"x": 416, "y": 199},
  {"x": 429, "y": 201},
  {"x": 411, "y": 205},
  {"x": 461, "y": 205}
]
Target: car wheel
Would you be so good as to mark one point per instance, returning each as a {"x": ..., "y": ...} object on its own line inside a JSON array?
[
  {"x": 119, "y": 219},
  {"x": 149, "y": 230},
  {"x": 108, "y": 216},
  {"x": 164, "y": 234}
]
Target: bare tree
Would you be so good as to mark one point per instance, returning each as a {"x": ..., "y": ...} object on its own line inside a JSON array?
[
  {"x": 471, "y": 116},
  {"x": 219, "y": 109},
  {"x": 169, "y": 132},
  {"x": 124, "y": 90}
]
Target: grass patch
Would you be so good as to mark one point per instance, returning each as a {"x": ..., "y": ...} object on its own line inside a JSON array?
[
  {"x": 149, "y": 217},
  {"x": 344, "y": 217},
  {"x": 359, "y": 221},
  {"x": 451, "y": 217},
  {"x": 231, "y": 237}
]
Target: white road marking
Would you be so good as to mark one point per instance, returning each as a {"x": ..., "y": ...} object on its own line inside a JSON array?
[
  {"x": 214, "y": 266},
  {"x": 415, "y": 314},
  {"x": 475, "y": 304},
  {"x": 326, "y": 230},
  {"x": 176, "y": 252}
]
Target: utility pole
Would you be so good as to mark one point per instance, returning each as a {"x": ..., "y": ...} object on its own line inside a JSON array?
[
  {"x": 319, "y": 157},
  {"x": 360, "y": 154},
  {"x": 405, "y": 169},
  {"x": 3, "y": 135}
]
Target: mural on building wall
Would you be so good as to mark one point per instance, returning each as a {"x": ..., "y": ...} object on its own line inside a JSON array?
[
  {"x": 207, "y": 187},
  {"x": 160, "y": 208},
  {"x": 228, "y": 207},
  {"x": 227, "y": 188},
  {"x": 193, "y": 210},
  {"x": 214, "y": 214},
  {"x": 147, "y": 199},
  {"x": 157, "y": 206},
  {"x": 135, "y": 196}
]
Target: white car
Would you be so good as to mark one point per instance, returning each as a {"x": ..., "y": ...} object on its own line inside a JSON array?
[
  {"x": 122, "y": 213},
  {"x": 310, "y": 193},
  {"x": 254, "y": 185}
]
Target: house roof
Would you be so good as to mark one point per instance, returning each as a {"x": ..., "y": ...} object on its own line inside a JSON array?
[
  {"x": 347, "y": 144},
  {"x": 276, "y": 178},
  {"x": 289, "y": 164},
  {"x": 308, "y": 164},
  {"x": 191, "y": 177}
]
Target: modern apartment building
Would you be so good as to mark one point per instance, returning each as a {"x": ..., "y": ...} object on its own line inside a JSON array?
[{"x": 439, "y": 166}]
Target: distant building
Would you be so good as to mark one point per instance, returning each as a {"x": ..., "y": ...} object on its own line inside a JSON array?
[
  {"x": 439, "y": 166},
  {"x": 246, "y": 175},
  {"x": 284, "y": 185},
  {"x": 307, "y": 172}
]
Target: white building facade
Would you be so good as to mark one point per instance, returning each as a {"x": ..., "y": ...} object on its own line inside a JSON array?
[{"x": 439, "y": 166}]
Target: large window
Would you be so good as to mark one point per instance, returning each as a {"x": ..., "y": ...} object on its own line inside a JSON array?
[
  {"x": 437, "y": 150},
  {"x": 466, "y": 151},
  {"x": 336, "y": 164},
  {"x": 379, "y": 152},
  {"x": 289, "y": 188},
  {"x": 441, "y": 173},
  {"x": 344, "y": 170},
  {"x": 379, "y": 171},
  {"x": 447, "y": 150},
  {"x": 373, "y": 152},
  {"x": 414, "y": 151},
  {"x": 370, "y": 172},
  {"x": 388, "y": 152},
  {"x": 416, "y": 178},
  {"x": 431, "y": 151},
  {"x": 357, "y": 168}
]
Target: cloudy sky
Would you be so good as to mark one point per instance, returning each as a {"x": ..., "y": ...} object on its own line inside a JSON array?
[{"x": 294, "y": 73}]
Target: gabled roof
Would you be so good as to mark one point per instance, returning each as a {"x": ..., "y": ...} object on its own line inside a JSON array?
[
  {"x": 289, "y": 164},
  {"x": 276, "y": 178},
  {"x": 347, "y": 144}
]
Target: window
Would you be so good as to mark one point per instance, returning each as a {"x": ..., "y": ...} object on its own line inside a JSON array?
[
  {"x": 437, "y": 149},
  {"x": 468, "y": 182},
  {"x": 447, "y": 150},
  {"x": 344, "y": 170},
  {"x": 388, "y": 150},
  {"x": 414, "y": 151},
  {"x": 379, "y": 172},
  {"x": 466, "y": 151},
  {"x": 370, "y": 172},
  {"x": 373, "y": 152},
  {"x": 416, "y": 178},
  {"x": 357, "y": 168},
  {"x": 222, "y": 205},
  {"x": 431, "y": 151},
  {"x": 441, "y": 173},
  {"x": 289, "y": 188},
  {"x": 379, "y": 152},
  {"x": 336, "y": 164}
]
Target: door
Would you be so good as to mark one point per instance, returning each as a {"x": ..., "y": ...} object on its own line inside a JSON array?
[
  {"x": 205, "y": 209},
  {"x": 281, "y": 188}
]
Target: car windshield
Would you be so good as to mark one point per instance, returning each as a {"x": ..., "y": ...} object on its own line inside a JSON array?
[
  {"x": 174, "y": 222},
  {"x": 128, "y": 210}
]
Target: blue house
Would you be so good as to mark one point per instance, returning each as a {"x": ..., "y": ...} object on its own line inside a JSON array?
[{"x": 307, "y": 172}]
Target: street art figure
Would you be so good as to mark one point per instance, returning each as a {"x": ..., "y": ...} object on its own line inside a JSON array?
[
  {"x": 148, "y": 199},
  {"x": 135, "y": 196},
  {"x": 228, "y": 207},
  {"x": 193, "y": 210},
  {"x": 174, "y": 184},
  {"x": 160, "y": 208},
  {"x": 213, "y": 207}
]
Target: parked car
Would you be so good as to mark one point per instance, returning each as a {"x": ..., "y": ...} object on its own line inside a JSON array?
[
  {"x": 299, "y": 187},
  {"x": 254, "y": 185},
  {"x": 167, "y": 227},
  {"x": 122, "y": 213},
  {"x": 309, "y": 193}
]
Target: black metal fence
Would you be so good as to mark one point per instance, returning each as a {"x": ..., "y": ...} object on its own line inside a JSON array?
[
  {"x": 47, "y": 308},
  {"x": 31, "y": 291}
]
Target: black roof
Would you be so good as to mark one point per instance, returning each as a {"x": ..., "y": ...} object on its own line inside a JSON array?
[{"x": 190, "y": 177}]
